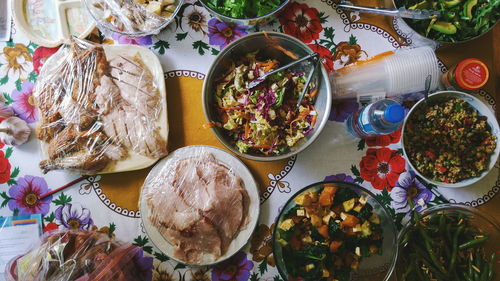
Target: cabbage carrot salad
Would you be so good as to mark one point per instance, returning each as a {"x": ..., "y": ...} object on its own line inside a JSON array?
[{"x": 265, "y": 119}]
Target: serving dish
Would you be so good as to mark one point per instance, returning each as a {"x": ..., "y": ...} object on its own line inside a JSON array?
[
  {"x": 456, "y": 17},
  {"x": 100, "y": 19},
  {"x": 486, "y": 225},
  {"x": 51, "y": 23},
  {"x": 224, "y": 158},
  {"x": 134, "y": 161},
  {"x": 476, "y": 104},
  {"x": 247, "y": 21},
  {"x": 376, "y": 267},
  {"x": 264, "y": 42}
]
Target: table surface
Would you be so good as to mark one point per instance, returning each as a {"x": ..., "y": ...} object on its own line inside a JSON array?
[{"x": 186, "y": 49}]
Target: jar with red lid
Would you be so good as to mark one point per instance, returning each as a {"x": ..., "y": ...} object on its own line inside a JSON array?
[{"x": 470, "y": 74}]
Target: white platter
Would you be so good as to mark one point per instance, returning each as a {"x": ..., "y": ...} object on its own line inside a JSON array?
[
  {"x": 226, "y": 159},
  {"x": 50, "y": 23},
  {"x": 134, "y": 161}
]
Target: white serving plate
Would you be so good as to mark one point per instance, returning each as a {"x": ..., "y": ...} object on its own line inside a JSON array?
[
  {"x": 134, "y": 161},
  {"x": 47, "y": 22},
  {"x": 227, "y": 160}
]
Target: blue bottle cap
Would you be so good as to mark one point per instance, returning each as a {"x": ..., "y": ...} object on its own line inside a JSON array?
[{"x": 394, "y": 113}]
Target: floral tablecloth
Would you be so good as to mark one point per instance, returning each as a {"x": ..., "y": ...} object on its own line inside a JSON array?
[{"x": 186, "y": 49}]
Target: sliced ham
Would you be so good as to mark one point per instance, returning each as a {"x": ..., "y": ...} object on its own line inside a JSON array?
[{"x": 213, "y": 196}]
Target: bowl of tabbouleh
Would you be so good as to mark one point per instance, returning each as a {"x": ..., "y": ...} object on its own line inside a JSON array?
[{"x": 451, "y": 139}]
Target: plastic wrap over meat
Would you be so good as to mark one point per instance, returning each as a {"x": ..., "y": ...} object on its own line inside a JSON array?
[
  {"x": 132, "y": 16},
  {"x": 92, "y": 111},
  {"x": 198, "y": 205},
  {"x": 80, "y": 256}
]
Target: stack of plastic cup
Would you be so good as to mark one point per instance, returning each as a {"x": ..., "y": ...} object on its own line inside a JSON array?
[
  {"x": 407, "y": 70},
  {"x": 396, "y": 73}
]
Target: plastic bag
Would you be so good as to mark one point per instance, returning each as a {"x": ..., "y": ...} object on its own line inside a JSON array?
[
  {"x": 92, "y": 111},
  {"x": 198, "y": 204},
  {"x": 81, "y": 256},
  {"x": 137, "y": 17}
]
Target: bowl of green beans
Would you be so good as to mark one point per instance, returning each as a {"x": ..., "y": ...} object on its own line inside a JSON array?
[{"x": 449, "y": 242}]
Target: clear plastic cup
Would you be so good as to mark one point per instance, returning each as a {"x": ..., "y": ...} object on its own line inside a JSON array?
[{"x": 397, "y": 73}]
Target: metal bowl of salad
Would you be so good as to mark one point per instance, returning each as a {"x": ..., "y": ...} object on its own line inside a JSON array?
[
  {"x": 335, "y": 231},
  {"x": 451, "y": 140},
  {"x": 265, "y": 123},
  {"x": 460, "y": 20},
  {"x": 247, "y": 13}
]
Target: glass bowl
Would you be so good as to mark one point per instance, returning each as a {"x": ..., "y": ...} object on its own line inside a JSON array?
[
  {"x": 247, "y": 21},
  {"x": 376, "y": 267},
  {"x": 103, "y": 25},
  {"x": 478, "y": 219}
]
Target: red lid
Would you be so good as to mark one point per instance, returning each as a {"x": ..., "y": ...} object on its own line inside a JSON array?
[{"x": 471, "y": 74}]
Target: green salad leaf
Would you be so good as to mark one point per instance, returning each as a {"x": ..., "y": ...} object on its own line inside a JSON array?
[{"x": 243, "y": 8}]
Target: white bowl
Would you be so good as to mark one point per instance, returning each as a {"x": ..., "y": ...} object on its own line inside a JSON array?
[{"x": 483, "y": 110}]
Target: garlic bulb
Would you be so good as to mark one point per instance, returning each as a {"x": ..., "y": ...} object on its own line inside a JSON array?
[
  {"x": 6, "y": 111},
  {"x": 14, "y": 131}
]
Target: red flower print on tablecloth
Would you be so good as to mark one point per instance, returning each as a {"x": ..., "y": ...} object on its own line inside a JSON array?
[
  {"x": 40, "y": 56},
  {"x": 24, "y": 104},
  {"x": 381, "y": 167},
  {"x": 4, "y": 167},
  {"x": 325, "y": 55},
  {"x": 25, "y": 194},
  {"x": 50, "y": 226},
  {"x": 384, "y": 140},
  {"x": 301, "y": 21}
]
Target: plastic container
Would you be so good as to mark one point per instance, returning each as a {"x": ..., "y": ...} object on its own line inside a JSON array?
[
  {"x": 379, "y": 118},
  {"x": 388, "y": 73},
  {"x": 470, "y": 74}
]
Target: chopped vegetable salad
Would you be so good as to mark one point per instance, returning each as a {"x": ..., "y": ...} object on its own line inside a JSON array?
[
  {"x": 327, "y": 234},
  {"x": 264, "y": 120}
]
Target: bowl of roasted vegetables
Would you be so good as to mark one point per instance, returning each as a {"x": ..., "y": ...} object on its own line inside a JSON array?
[
  {"x": 334, "y": 231},
  {"x": 266, "y": 122},
  {"x": 459, "y": 20},
  {"x": 451, "y": 140},
  {"x": 449, "y": 242},
  {"x": 247, "y": 13}
]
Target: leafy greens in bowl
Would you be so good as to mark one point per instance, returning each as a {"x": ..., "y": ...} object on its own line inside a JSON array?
[
  {"x": 460, "y": 20},
  {"x": 334, "y": 231}
]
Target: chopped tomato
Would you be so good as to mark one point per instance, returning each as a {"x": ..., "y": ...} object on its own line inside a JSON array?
[
  {"x": 441, "y": 169},
  {"x": 430, "y": 154}
]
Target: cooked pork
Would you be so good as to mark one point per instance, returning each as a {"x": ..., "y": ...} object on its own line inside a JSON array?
[
  {"x": 92, "y": 113},
  {"x": 134, "y": 131},
  {"x": 136, "y": 84},
  {"x": 199, "y": 206}
]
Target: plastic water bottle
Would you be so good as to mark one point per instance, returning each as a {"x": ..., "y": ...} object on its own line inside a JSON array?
[{"x": 379, "y": 118}]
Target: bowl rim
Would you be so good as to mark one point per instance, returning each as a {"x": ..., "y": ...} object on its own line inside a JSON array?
[
  {"x": 453, "y": 207},
  {"x": 466, "y": 182},
  {"x": 97, "y": 22},
  {"x": 229, "y": 18},
  {"x": 321, "y": 125},
  {"x": 445, "y": 42},
  {"x": 392, "y": 225}
]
